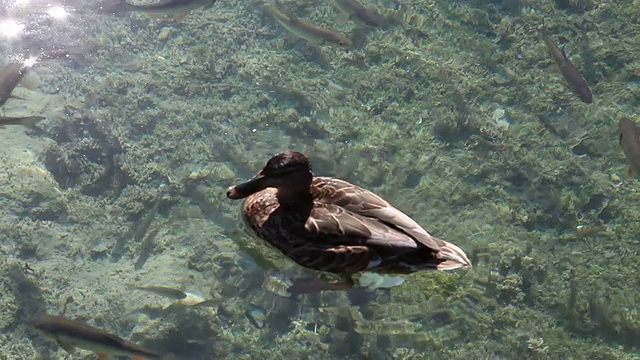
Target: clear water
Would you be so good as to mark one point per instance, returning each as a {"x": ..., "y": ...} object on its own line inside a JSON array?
[{"x": 448, "y": 110}]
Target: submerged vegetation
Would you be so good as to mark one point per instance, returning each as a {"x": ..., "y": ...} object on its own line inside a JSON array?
[{"x": 447, "y": 109}]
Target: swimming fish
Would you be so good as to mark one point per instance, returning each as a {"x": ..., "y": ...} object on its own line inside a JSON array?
[
  {"x": 164, "y": 291},
  {"x": 27, "y": 121},
  {"x": 630, "y": 144},
  {"x": 178, "y": 8},
  {"x": 357, "y": 12},
  {"x": 185, "y": 298},
  {"x": 256, "y": 315},
  {"x": 14, "y": 73},
  {"x": 573, "y": 77},
  {"x": 11, "y": 75},
  {"x": 306, "y": 30},
  {"x": 70, "y": 334}
]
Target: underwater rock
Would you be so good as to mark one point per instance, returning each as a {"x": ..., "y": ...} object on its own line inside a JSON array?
[{"x": 27, "y": 187}]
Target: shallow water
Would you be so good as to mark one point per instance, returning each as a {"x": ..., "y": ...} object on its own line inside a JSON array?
[{"x": 448, "y": 110}]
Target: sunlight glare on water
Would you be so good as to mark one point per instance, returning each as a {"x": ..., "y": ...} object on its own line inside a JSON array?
[
  {"x": 57, "y": 12},
  {"x": 10, "y": 28}
]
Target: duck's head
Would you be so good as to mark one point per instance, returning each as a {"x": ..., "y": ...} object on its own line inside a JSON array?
[{"x": 288, "y": 171}]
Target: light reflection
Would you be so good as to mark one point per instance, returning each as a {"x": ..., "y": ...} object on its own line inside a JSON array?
[
  {"x": 57, "y": 12},
  {"x": 10, "y": 28},
  {"x": 22, "y": 3},
  {"x": 30, "y": 61}
]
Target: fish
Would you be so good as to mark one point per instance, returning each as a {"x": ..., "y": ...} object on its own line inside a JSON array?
[
  {"x": 185, "y": 298},
  {"x": 357, "y": 12},
  {"x": 10, "y": 77},
  {"x": 164, "y": 291},
  {"x": 27, "y": 121},
  {"x": 576, "y": 82},
  {"x": 306, "y": 30},
  {"x": 630, "y": 144},
  {"x": 71, "y": 334},
  {"x": 14, "y": 73},
  {"x": 140, "y": 229},
  {"x": 256, "y": 315},
  {"x": 77, "y": 54},
  {"x": 177, "y": 8}
]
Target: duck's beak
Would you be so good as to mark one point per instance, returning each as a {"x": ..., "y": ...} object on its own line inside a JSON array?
[{"x": 252, "y": 186}]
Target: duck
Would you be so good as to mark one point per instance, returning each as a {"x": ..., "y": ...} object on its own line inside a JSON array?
[{"x": 330, "y": 225}]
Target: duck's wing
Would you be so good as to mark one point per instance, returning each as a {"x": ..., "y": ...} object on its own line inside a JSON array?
[
  {"x": 363, "y": 202},
  {"x": 353, "y": 241},
  {"x": 340, "y": 227}
]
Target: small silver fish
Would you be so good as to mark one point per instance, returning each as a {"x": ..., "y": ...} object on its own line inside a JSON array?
[
  {"x": 164, "y": 291},
  {"x": 306, "y": 30},
  {"x": 256, "y": 316}
]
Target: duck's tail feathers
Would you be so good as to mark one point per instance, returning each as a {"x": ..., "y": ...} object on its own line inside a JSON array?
[{"x": 452, "y": 257}]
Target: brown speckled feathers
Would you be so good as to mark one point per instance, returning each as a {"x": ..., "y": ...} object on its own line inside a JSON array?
[{"x": 331, "y": 225}]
